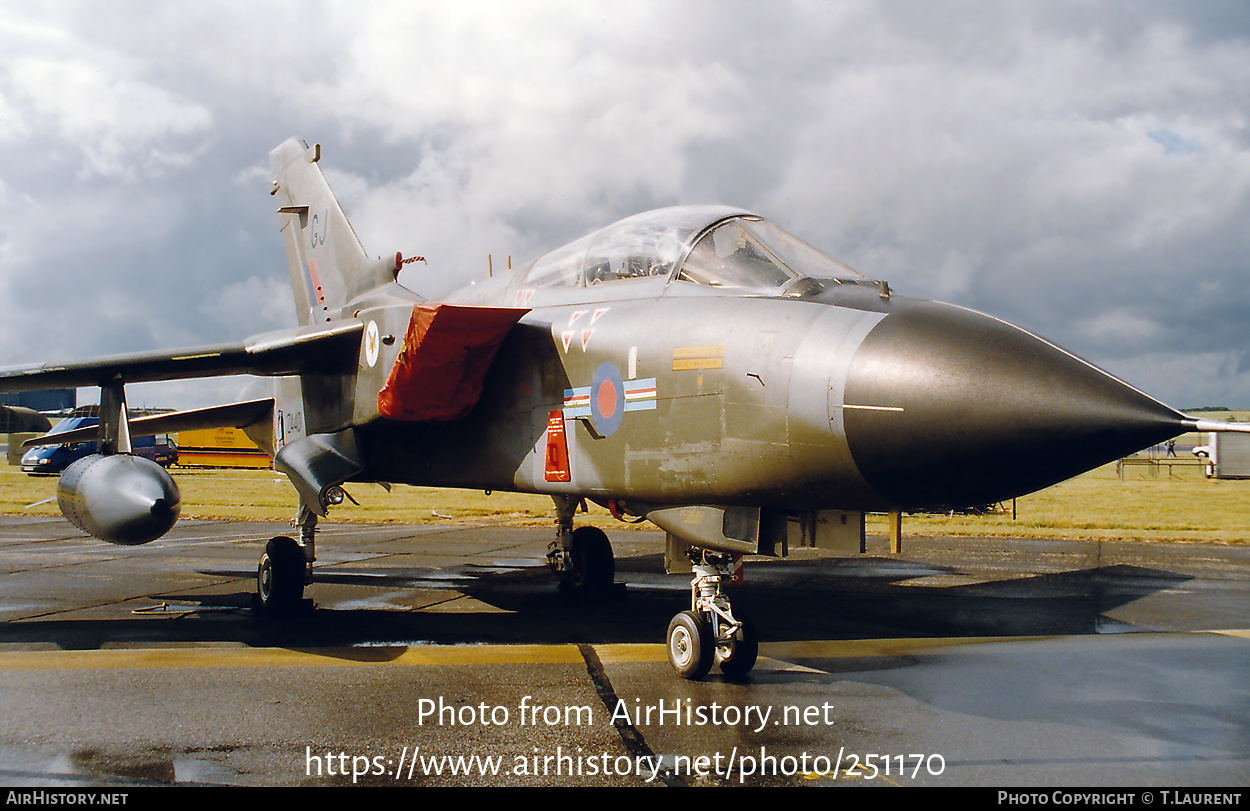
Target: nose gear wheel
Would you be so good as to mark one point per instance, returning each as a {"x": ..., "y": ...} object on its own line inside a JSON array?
[{"x": 710, "y": 632}]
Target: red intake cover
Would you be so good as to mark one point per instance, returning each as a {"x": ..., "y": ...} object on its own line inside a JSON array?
[{"x": 442, "y": 365}]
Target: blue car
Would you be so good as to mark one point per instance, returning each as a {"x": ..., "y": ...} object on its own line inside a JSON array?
[{"x": 52, "y": 459}]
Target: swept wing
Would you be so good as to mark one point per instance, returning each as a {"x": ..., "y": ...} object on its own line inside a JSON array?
[{"x": 330, "y": 348}]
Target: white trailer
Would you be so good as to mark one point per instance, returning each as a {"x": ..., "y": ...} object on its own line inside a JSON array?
[{"x": 1230, "y": 456}]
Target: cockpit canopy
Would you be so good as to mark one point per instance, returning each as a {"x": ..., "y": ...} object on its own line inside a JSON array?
[{"x": 717, "y": 246}]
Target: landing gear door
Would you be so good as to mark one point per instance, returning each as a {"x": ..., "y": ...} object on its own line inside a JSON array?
[{"x": 721, "y": 529}]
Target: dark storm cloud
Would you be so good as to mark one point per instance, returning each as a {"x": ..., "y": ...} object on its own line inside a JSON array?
[{"x": 1082, "y": 171}]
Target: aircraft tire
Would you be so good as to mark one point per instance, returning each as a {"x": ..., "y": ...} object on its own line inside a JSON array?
[
  {"x": 593, "y": 567},
  {"x": 280, "y": 576},
  {"x": 690, "y": 648},
  {"x": 738, "y": 657}
]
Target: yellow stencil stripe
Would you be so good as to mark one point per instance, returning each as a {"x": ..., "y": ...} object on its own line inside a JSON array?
[{"x": 709, "y": 356}]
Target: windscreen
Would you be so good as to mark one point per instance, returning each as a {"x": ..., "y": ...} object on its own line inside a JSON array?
[{"x": 752, "y": 253}]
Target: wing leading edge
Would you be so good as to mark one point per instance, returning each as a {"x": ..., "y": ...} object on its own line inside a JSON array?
[{"x": 331, "y": 348}]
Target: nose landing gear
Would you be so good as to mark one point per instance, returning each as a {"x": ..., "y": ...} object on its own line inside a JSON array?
[{"x": 711, "y": 632}]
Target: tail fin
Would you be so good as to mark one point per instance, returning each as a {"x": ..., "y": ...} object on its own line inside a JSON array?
[{"x": 328, "y": 264}]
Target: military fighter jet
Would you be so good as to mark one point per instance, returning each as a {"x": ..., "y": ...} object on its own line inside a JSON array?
[{"x": 697, "y": 367}]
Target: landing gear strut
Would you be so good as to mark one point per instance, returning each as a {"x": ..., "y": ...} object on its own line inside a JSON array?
[
  {"x": 286, "y": 567},
  {"x": 583, "y": 556},
  {"x": 711, "y": 632}
]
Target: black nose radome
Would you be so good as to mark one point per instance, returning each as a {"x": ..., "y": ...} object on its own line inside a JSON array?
[{"x": 946, "y": 407}]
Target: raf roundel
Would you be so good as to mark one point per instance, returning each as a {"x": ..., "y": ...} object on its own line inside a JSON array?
[{"x": 607, "y": 399}]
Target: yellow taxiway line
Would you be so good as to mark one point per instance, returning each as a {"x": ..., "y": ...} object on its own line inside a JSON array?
[{"x": 160, "y": 658}]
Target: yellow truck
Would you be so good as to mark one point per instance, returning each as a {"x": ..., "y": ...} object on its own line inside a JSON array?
[{"x": 219, "y": 447}]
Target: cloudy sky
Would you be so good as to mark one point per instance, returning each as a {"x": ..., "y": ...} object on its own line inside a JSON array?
[{"x": 1079, "y": 168}]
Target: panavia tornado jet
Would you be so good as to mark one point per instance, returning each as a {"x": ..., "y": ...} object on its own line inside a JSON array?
[{"x": 697, "y": 367}]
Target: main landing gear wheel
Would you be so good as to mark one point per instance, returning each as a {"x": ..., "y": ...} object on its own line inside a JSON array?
[
  {"x": 690, "y": 649},
  {"x": 591, "y": 566},
  {"x": 280, "y": 577}
]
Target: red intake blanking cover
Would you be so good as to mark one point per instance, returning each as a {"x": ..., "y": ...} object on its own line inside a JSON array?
[{"x": 442, "y": 365}]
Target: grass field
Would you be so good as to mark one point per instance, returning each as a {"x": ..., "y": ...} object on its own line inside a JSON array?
[{"x": 1188, "y": 507}]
